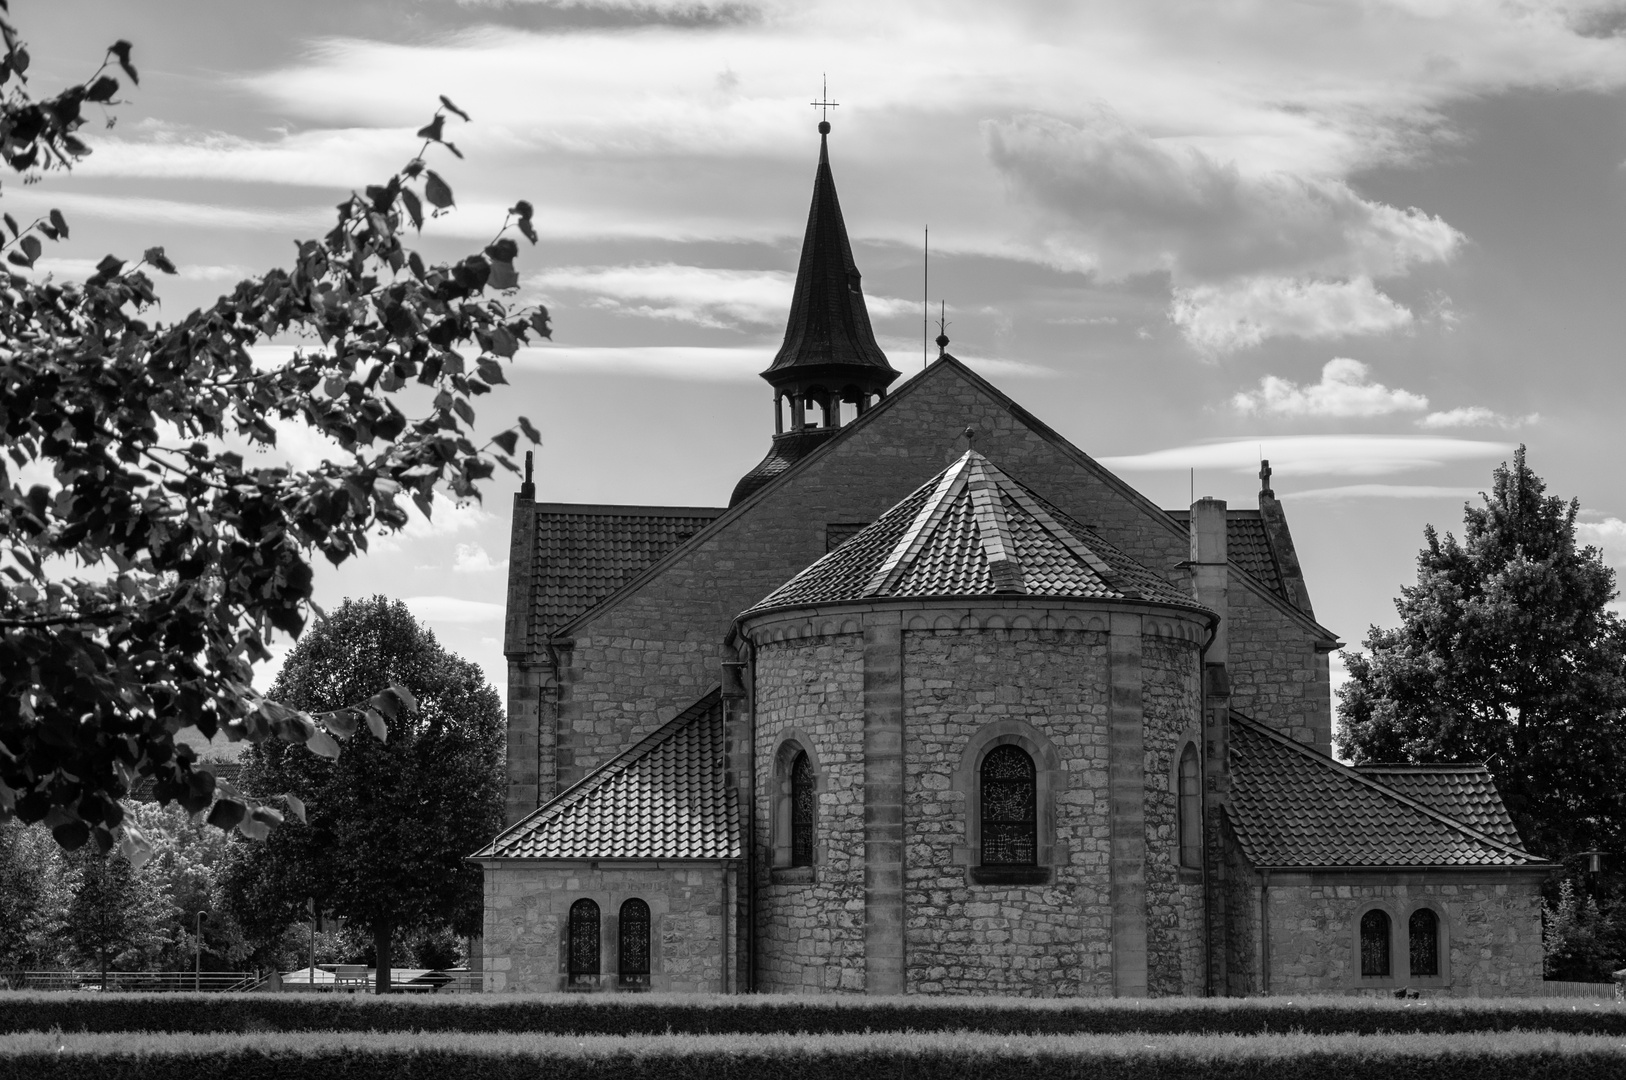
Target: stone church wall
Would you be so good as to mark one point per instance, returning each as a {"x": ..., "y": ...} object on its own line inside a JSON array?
[
  {"x": 638, "y": 663},
  {"x": 1491, "y": 927},
  {"x": 1277, "y": 677},
  {"x": 810, "y": 932},
  {"x": 1035, "y": 940},
  {"x": 527, "y": 913},
  {"x": 1172, "y": 707}
]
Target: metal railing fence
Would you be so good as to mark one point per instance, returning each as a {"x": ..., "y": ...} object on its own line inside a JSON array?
[{"x": 215, "y": 981}]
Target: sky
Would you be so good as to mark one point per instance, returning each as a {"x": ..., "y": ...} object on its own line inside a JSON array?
[{"x": 1380, "y": 243}]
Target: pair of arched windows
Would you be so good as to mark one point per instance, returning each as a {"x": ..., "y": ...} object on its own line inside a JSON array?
[
  {"x": 632, "y": 955},
  {"x": 1422, "y": 944}
]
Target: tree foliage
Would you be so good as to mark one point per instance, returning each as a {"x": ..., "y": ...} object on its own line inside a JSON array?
[
  {"x": 1506, "y": 653},
  {"x": 389, "y": 822},
  {"x": 116, "y": 913},
  {"x": 143, "y": 560},
  {"x": 34, "y": 894}
]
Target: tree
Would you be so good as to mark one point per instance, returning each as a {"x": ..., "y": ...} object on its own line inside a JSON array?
[
  {"x": 33, "y": 897},
  {"x": 389, "y": 823},
  {"x": 1506, "y": 653},
  {"x": 190, "y": 556},
  {"x": 117, "y": 913}
]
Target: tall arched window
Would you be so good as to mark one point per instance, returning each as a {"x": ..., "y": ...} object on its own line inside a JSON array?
[
  {"x": 633, "y": 958},
  {"x": 1375, "y": 944},
  {"x": 1190, "y": 810},
  {"x": 583, "y": 943},
  {"x": 803, "y": 804},
  {"x": 1010, "y": 826},
  {"x": 1423, "y": 932}
]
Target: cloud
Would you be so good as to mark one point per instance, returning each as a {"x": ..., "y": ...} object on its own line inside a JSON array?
[
  {"x": 472, "y": 559},
  {"x": 1475, "y": 416},
  {"x": 1112, "y": 199},
  {"x": 683, "y": 362},
  {"x": 125, "y": 208},
  {"x": 80, "y": 269},
  {"x": 1309, "y": 455},
  {"x": 453, "y": 609},
  {"x": 1345, "y": 390},
  {"x": 1382, "y": 491},
  {"x": 1241, "y": 314},
  {"x": 1609, "y": 535}
]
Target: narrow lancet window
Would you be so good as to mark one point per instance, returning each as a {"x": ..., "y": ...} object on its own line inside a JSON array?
[
  {"x": 633, "y": 959},
  {"x": 803, "y": 807},
  {"x": 1423, "y": 929},
  {"x": 1010, "y": 832},
  {"x": 1190, "y": 810},
  {"x": 583, "y": 943},
  {"x": 1375, "y": 944}
]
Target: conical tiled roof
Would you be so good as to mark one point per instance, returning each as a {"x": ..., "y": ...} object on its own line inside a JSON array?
[
  {"x": 1292, "y": 806},
  {"x": 973, "y": 531},
  {"x": 665, "y": 798},
  {"x": 829, "y": 324}
]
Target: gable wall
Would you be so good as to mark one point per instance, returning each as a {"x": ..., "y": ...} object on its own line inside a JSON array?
[
  {"x": 1277, "y": 677},
  {"x": 636, "y": 665}
]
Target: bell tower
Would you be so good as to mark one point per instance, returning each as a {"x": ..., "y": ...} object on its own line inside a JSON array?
[{"x": 829, "y": 371}]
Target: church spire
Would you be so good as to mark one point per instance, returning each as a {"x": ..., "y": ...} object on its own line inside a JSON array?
[{"x": 829, "y": 369}]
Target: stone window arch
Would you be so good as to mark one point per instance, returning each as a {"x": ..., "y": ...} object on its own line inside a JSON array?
[
  {"x": 632, "y": 953},
  {"x": 1048, "y": 780},
  {"x": 1009, "y": 807},
  {"x": 583, "y": 946},
  {"x": 1374, "y": 943},
  {"x": 794, "y": 804},
  {"x": 1427, "y": 944},
  {"x": 1188, "y": 792}
]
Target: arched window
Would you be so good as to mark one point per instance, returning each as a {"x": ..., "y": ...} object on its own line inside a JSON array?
[
  {"x": 1423, "y": 931},
  {"x": 1375, "y": 944},
  {"x": 633, "y": 957},
  {"x": 1190, "y": 810},
  {"x": 583, "y": 943},
  {"x": 1010, "y": 826},
  {"x": 803, "y": 804}
]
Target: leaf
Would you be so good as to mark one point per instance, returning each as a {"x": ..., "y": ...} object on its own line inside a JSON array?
[
  {"x": 436, "y": 191},
  {"x": 530, "y": 431},
  {"x": 507, "y": 440},
  {"x": 503, "y": 250},
  {"x": 407, "y": 699},
  {"x": 296, "y": 806},
  {"x": 121, "y": 50},
  {"x": 134, "y": 845},
  {"x": 102, "y": 89},
  {"x": 30, "y": 250},
  {"x": 254, "y": 827},
  {"x": 375, "y": 724},
  {"x": 539, "y": 323},
  {"x": 462, "y": 407},
  {"x": 414, "y": 209},
  {"x": 105, "y": 270},
  {"x": 11, "y": 223},
  {"x": 342, "y": 722},
  {"x": 322, "y": 744},
  {"x": 446, "y": 101},
  {"x": 226, "y": 813},
  {"x": 503, "y": 275},
  {"x": 156, "y": 258},
  {"x": 431, "y": 130}
]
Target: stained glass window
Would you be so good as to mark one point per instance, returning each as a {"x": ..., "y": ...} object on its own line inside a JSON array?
[
  {"x": 1190, "y": 810},
  {"x": 1375, "y": 944},
  {"x": 583, "y": 942},
  {"x": 634, "y": 957},
  {"x": 803, "y": 803},
  {"x": 1010, "y": 833},
  {"x": 1424, "y": 931}
]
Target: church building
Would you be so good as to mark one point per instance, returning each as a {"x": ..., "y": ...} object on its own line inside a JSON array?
[{"x": 939, "y": 705}]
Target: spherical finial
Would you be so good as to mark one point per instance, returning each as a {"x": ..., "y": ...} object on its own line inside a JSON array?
[
  {"x": 942, "y": 341},
  {"x": 824, "y": 127}
]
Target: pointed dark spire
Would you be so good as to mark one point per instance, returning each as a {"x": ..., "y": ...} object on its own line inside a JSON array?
[{"x": 829, "y": 328}]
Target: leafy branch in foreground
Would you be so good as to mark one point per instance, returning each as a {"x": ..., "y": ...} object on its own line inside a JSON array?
[{"x": 143, "y": 560}]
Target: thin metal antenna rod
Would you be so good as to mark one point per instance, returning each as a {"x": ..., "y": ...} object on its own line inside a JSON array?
[{"x": 925, "y": 293}]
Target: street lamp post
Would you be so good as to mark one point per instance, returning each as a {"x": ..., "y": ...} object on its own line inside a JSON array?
[{"x": 197, "y": 936}]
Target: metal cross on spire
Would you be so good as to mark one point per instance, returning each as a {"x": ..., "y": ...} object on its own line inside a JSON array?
[{"x": 824, "y": 105}]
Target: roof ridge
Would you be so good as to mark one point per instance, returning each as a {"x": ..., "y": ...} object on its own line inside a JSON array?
[
  {"x": 1405, "y": 800},
  {"x": 1424, "y": 766},
  {"x": 573, "y": 794},
  {"x": 985, "y": 487},
  {"x": 947, "y": 485}
]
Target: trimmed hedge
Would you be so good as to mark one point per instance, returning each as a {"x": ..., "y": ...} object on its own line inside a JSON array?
[
  {"x": 634, "y": 1014},
  {"x": 355, "y": 1056}
]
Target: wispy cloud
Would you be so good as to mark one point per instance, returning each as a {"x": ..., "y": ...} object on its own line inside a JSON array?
[
  {"x": 1346, "y": 389},
  {"x": 1381, "y": 491},
  {"x": 453, "y": 609},
  {"x": 200, "y": 215},
  {"x": 473, "y": 559},
  {"x": 1243, "y": 313},
  {"x": 1312, "y": 455},
  {"x": 1475, "y": 416},
  {"x": 685, "y": 362},
  {"x": 1609, "y": 535}
]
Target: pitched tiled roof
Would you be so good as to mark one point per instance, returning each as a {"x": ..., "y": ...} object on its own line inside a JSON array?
[
  {"x": 665, "y": 798},
  {"x": 582, "y": 554},
  {"x": 1465, "y": 792},
  {"x": 1294, "y": 807},
  {"x": 1247, "y": 546},
  {"x": 973, "y": 531}
]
